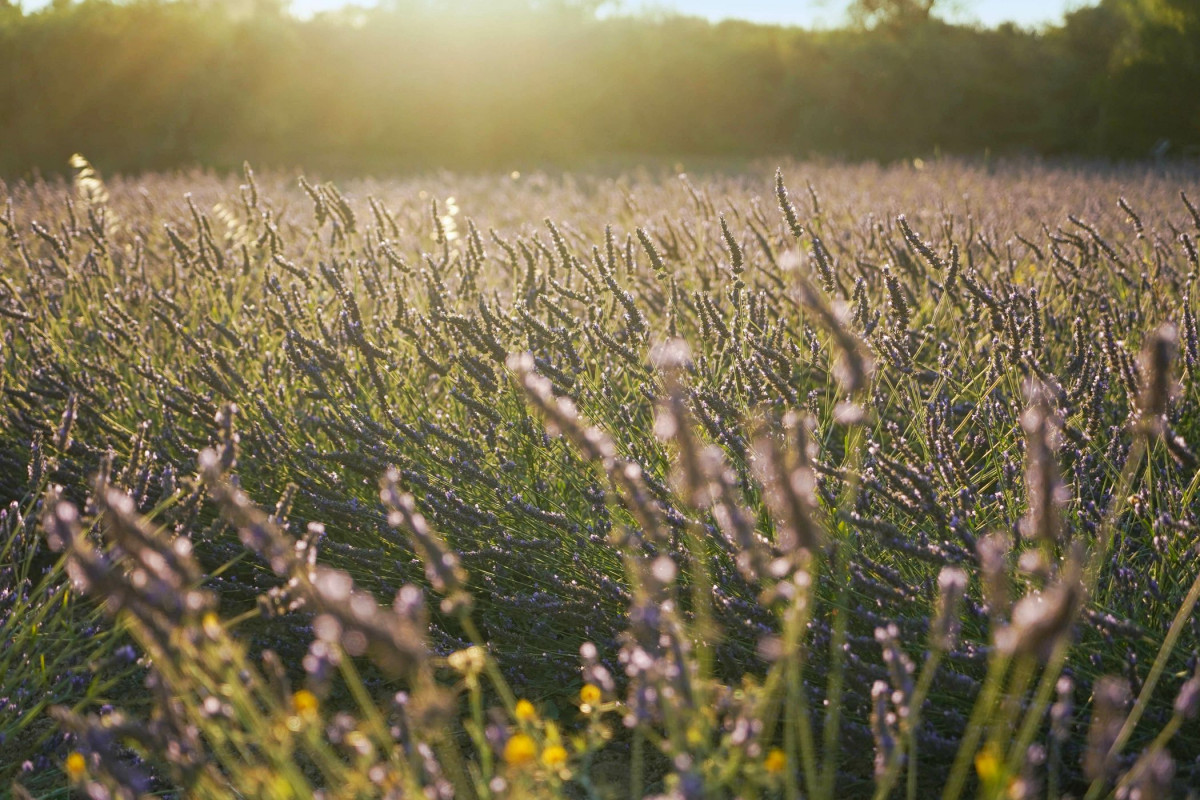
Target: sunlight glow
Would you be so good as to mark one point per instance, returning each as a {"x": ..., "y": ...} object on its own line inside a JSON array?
[{"x": 809, "y": 13}]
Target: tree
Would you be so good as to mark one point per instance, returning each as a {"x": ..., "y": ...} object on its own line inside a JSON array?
[
  {"x": 891, "y": 13},
  {"x": 1151, "y": 97}
]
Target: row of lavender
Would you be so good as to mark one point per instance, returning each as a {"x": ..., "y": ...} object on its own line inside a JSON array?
[{"x": 877, "y": 468}]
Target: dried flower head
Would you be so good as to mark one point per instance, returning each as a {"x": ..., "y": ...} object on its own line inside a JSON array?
[
  {"x": 952, "y": 587},
  {"x": 1158, "y": 354},
  {"x": 1110, "y": 704},
  {"x": 1044, "y": 487}
]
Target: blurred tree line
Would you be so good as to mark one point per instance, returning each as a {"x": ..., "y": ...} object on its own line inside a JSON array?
[{"x": 150, "y": 84}]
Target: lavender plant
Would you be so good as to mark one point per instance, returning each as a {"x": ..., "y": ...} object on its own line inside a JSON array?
[{"x": 620, "y": 487}]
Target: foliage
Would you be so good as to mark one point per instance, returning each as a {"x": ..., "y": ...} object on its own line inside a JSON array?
[{"x": 410, "y": 85}]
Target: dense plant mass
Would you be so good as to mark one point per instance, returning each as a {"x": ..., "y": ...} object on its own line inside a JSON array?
[
  {"x": 575, "y": 486},
  {"x": 493, "y": 84}
]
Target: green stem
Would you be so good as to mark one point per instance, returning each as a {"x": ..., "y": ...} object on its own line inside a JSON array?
[
  {"x": 481, "y": 743},
  {"x": 837, "y": 675},
  {"x": 837, "y": 660},
  {"x": 808, "y": 750},
  {"x": 637, "y": 781},
  {"x": 1036, "y": 711},
  {"x": 1055, "y": 766},
  {"x": 1032, "y": 721},
  {"x": 791, "y": 788},
  {"x": 1156, "y": 670},
  {"x": 490, "y": 666},
  {"x": 1010, "y": 709},
  {"x": 909, "y": 741},
  {"x": 975, "y": 726}
]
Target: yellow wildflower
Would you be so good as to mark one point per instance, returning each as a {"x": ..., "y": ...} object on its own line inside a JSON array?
[
  {"x": 76, "y": 766},
  {"x": 590, "y": 694},
  {"x": 525, "y": 712},
  {"x": 519, "y": 750},
  {"x": 554, "y": 756},
  {"x": 211, "y": 625},
  {"x": 776, "y": 761},
  {"x": 987, "y": 765},
  {"x": 305, "y": 702}
]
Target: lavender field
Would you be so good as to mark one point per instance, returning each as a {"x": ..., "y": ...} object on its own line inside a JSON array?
[{"x": 827, "y": 482}]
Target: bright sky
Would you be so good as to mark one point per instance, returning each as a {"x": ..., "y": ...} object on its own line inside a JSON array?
[
  {"x": 828, "y": 13},
  {"x": 809, "y": 13}
]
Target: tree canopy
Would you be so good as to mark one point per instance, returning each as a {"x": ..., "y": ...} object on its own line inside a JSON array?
[{"x": 418, "y": 83}]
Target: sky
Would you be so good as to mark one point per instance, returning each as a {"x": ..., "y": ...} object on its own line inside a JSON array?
[
  {"x": 814, "y": 13},
  {"x": 828, "y": 13},
  {"x": 808, "y": 13}
]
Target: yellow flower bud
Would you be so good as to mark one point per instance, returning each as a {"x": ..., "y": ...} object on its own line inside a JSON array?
[
  {"x": 554, "y": 756},
  {"x": 590, "y": 694},
  {"x": 987, "y": 765},
  {"x": 525, "y": 712},
  {"x": 520, "y": 750},
  {"x": 76, "y": 766},
  {"x": 305, "y": 702}
]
